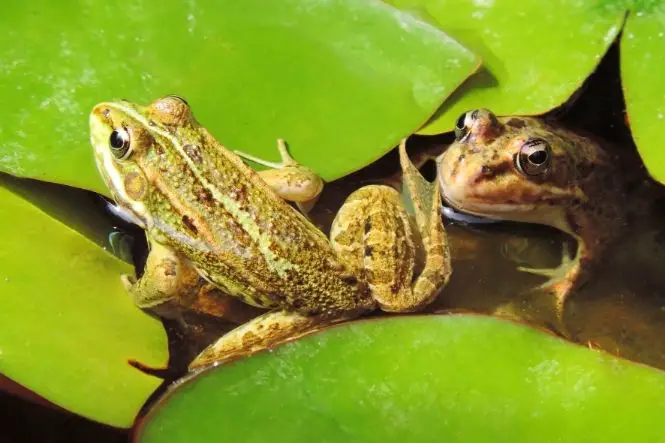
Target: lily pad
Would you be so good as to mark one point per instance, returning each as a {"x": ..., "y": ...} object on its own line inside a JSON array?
[
  {"x": 535, "y": 54},
  {"x": 68, "y": 327},
  {"x": 642, "y": 64},
  {"x": 342, "y": 81},
  {"x": 455, "y": 378}
]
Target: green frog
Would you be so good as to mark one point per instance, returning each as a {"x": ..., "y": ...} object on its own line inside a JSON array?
[
  {"x": 208, "y": 215},
  {"x": 527, "y": 170}
]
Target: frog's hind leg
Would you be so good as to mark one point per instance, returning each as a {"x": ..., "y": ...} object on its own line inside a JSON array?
[
  {"x": 373, "y": 233},
  {"x": 260, "y": 333},
  {"x": 289, "y": 179}
]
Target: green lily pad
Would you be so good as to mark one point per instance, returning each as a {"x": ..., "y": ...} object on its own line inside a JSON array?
[
  {"x": 456, "y": 378},
  {"x": 535, "y": 54},
  {"x": 68, "y": 327},
  {"x": 642, "y": 65},
  {"x": 342, "y": 81}
]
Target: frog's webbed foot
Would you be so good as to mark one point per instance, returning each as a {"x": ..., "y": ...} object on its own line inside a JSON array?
[
  {"x": 425, "y": 198},
  {"x": 289, "y": 179},
  {"x": 560, "y": 280},
  {"x": 554, "y": 274},
  {"x": 262, "y": 332}
]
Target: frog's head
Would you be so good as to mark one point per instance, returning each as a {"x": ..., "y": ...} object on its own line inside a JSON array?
[
  {"x": 511, "y": 168},
  {"x": 126, "y": 136}
]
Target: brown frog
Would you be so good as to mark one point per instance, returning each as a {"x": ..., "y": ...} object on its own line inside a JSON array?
[{"x": 526, "y": 170}]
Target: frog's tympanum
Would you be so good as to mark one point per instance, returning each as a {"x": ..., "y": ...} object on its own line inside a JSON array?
[
  {"x": 523, "y": 169},
  {"x": 208, "y": 214}
]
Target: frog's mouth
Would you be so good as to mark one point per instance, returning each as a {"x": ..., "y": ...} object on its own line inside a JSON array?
[
  {"x": 458, "y": 193},
  {"x": 450, "y": 213},
  {"x": 469, "y": 210}
]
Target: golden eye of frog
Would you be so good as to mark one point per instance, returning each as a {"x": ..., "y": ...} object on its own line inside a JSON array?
[
  {"x": 526, "y": 170},
  {"x": 206, "y": 213}
]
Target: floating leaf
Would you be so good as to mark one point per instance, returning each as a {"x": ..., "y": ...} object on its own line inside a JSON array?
[
  {"x": 68, "y": 326},
  {"x": 535, "y": 54},
  {"x": 341, "y": 80},
  {"x": 642, "y": 65},
  {"x": 417, "y": 379}
]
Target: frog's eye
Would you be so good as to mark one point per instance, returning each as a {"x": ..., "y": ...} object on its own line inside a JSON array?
[
  {"x": 464, "y": 123},
  {"x": 119, "y": 143},
  {"x": 534, "y": 157}
]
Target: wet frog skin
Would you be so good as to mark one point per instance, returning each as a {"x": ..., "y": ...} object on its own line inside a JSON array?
[
  {"x": 526, "y": 170},
  {"x": 208, "y": 214}
]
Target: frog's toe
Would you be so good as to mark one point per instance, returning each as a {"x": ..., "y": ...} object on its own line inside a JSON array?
[
  {"x": 559, "y": 283},
  {"x": 128, "y": 282},
  {"x": 555, "y": 274}
]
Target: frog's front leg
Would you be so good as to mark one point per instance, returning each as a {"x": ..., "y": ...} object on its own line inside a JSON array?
[
  {"x": 289, "y": 179},
  {"x": 169, "y": 283},
  {"x": 562, "y": 280},
  {"x": 166, "y": 275}
]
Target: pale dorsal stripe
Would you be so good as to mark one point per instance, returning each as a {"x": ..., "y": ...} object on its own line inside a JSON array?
[{"x": 275, "y": 263}]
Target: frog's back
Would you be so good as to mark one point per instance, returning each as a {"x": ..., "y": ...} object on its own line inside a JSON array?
[{"x": 243, "y": 237}]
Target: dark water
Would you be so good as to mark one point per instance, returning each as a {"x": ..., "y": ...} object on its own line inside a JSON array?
[{"x": 620, "y": 310}]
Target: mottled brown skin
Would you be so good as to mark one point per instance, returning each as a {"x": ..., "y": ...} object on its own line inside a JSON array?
[
  {"x": 577, "y": 190},
  {"x": 206, "y": 212}
]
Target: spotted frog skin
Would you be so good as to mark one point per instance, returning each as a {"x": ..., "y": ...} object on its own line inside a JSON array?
[
  {"x": 207, "y": 214},
  {"x": 526, "y": 170}
]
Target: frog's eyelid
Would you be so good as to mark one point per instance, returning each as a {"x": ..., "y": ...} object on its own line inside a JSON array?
[
  {"x": 179, "y": 97},
  {"x": 534, "y": 142},
  {"x": 125, "y": 149},
  {"x": 463, "y": 124}
]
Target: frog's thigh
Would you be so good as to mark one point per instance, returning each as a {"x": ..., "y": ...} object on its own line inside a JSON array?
[
  {"x": 166, "y": 275},
  {"x": 260, "y": 333},
  {"x": 372, "y": 232}
]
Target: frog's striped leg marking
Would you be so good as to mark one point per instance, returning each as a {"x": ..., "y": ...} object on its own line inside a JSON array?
[
  {"x": 374, "y": 234},
  {"x": 289, "y": 179},
  {"x": 260, "y": 333}
]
